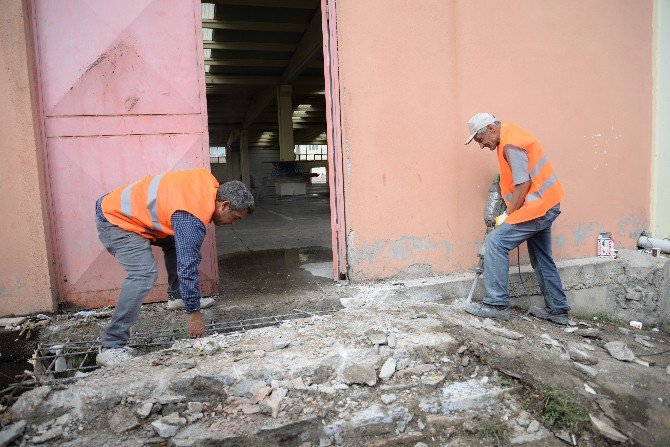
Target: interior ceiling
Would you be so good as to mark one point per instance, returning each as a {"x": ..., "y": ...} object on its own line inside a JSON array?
[{"x": 255, "y": 46}]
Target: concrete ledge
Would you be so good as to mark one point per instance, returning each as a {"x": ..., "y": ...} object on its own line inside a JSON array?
[{"x": 635, "y": 286}]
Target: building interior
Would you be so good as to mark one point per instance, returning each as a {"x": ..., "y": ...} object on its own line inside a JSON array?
[{"x": 266, "y": 110}]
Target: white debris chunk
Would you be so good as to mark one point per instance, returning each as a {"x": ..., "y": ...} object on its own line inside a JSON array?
[
  {"x": 620, "y": 351},
  {"x": 388, "y": 369},
  {"x": 547, "y": 340},
  {"x": 388, "y": 398},
  {"x": 607, "y": 431}
]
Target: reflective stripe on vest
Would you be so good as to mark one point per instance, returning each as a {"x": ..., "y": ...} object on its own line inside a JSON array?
[
  {"x": 545, "y": 189},
  {"x": 533, "y": 174},
  {"x": 546, "y": 185},
  {"x": 151, "y": 202},
  {"x": 536, "y": 170},
  {"x": 146, "y": 206},
  {"x": 126, "y": 208}
]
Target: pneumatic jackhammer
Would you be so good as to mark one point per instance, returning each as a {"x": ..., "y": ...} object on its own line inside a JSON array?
[{"x": 494, "y": 207}]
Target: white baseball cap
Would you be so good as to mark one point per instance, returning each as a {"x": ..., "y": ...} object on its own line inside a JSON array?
[{"x": 478, "y": 122}]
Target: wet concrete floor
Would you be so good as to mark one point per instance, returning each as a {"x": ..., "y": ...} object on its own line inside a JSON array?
[
  {"x": 272, "y": 272},
  {"x": 279, "y": 223},
  {"x": 279, "y": 253}
]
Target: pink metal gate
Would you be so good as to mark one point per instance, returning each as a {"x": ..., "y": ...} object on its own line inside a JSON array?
[{"x": 122, "y": 96}]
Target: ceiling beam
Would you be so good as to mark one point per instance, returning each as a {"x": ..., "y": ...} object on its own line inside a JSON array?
[
  {"x": 256, "y": 63},
  {"x": 241, "y": 80},
  {"x": 309, "y": 46},
  {"x": 293, "y": 4},
  {"x": 308, "y": 134},
  {"x": 308, "y": 113},
  {"x": 250, "y": 46},
  {"x": 212, "y": 79},
  {"x": 310, "y": 43},
  {"x": 247, "y": 62},
  {"x": 267, "y": 126},
  {"x": 298, "y": 90},
  {"x": 255, "y": 26}
]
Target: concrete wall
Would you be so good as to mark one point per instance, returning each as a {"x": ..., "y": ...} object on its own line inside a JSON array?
[
  {"x": 660, "y": 188},
  {"x": 576, "y": 74},
  {"x": 26, "y": 283}
]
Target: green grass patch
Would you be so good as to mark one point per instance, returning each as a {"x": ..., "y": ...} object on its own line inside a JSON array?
[
  {"x": 493, "y": 431},
  {"x": 559, "y": 408},
  {"x": 623, "y": 399},
  {"x": 603, "y": 317}
]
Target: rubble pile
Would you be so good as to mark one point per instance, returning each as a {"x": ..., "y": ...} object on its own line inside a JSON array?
[{"x": 372, "y": 374}]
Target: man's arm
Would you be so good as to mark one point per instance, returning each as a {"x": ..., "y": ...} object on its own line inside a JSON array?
[
  {"x": 189, "y": 234},
  {"x": 518, "y": 196},
  {"x": 518, "y": 162}
]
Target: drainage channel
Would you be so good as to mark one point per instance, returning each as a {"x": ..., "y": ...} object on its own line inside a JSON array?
[{"x": 56, "y": 362}]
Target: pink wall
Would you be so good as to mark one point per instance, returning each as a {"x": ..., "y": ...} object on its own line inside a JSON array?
[
  {"x": 576, "y": 74},
  {"x": 25, "y": 272}
]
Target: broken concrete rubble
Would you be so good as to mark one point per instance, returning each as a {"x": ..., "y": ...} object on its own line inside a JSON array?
[
  {"x": 607, "y": 431},
  {"x": 388, "y": 368},
  {"x": 589, "y": 371},
  {"x": 376, "y": 337},
  {"x": 546, "y": 339},
  {"x": 360, "y": 373},
  {"x": 445, "y": 372},
  {"x": 620, "y": 351},
  {"x": 577, "y": 354},
  {"x": 11, "y": 432}
]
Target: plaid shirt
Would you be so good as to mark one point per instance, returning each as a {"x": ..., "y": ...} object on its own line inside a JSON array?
[{"x": 189, "y": 234}]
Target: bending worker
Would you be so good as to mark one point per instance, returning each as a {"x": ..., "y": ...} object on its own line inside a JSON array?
[
  {"x": 532, "y": 194},
  {"x": 171, "y": 211}
]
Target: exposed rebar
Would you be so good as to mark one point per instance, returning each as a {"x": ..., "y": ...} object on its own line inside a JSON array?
[{"x": 58, "y": 361}]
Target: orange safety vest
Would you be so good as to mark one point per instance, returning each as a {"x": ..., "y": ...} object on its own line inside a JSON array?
[
  {"x": 146, "y": 206},
  {"x": 545, "y": 190}
]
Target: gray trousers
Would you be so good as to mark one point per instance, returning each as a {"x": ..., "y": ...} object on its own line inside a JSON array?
[{"x": 134, "y": 254}]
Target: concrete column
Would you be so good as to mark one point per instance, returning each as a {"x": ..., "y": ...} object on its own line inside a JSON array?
[
  {"x": 660, "y": 159},
  {"x": 285, "y": 120},
  {"x": 27, "y": 281},
  {"x": 244, "y": 157}
]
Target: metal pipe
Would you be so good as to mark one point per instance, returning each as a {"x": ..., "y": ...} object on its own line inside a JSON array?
[{"x": 645, "y": 241}]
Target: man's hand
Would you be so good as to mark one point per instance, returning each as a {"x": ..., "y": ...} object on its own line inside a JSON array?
[
  {"x": 500, "y": 219},
  {"x": 196, "y": 325}
]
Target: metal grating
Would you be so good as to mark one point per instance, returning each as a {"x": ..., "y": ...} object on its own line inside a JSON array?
[{"x": 58, "y": 361}]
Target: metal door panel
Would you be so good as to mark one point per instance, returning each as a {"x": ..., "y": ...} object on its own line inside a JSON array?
[
  {"x": 122, "y": 96},
  {"x": 125, "y": 125}
]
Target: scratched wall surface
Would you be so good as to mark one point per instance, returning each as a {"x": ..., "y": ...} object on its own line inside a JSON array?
[
  {"x": 129, "y": 102},
  {"x": 576, "y": 74}
]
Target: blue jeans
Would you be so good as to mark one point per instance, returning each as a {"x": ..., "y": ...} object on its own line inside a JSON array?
[
  {"x": 537, "y": 234},
  {"x": 134, "y": 254}
]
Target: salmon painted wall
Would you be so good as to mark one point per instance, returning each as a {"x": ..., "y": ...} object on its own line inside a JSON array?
[
  {"x": 25, "y": 275},
  {"x": 576, "y": 74}
]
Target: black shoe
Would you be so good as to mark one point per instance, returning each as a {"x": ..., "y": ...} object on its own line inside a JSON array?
[
  {"x": 544, "y": 314},
  {"x": 486, "y": 311}
]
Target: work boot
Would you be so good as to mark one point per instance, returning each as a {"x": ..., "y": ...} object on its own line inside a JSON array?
[
  {"x": 486, "y": 311},
  {"x": 114, "y": 356},
  {"x": 174, "y": 304},
  {"x": 544, "y": 314}
]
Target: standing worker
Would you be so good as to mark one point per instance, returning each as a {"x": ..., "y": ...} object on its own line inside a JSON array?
[
  {"x": 532, "y": 194},
  {"x": 169, "y": 210}
]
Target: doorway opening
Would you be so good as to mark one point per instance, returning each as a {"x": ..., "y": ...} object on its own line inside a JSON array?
[{"x": 264, "y": 72}]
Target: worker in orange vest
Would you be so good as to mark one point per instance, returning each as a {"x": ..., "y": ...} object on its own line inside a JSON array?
[
  {"x": 532, "y": 193},
  {"x": 172, "y": 211}
]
